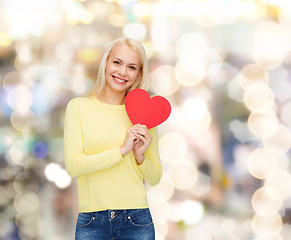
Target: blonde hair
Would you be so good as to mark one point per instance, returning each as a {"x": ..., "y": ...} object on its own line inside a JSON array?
[{"x": 141, "y": 82}]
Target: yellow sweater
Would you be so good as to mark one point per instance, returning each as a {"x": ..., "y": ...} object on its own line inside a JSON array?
[{"x": 93, "y": 134}]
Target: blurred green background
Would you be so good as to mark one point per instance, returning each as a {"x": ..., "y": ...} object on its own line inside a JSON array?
[{"x": 223, "y": 64}]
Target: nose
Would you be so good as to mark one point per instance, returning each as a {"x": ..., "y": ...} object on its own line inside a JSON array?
[{"x": 122, "y": 70}]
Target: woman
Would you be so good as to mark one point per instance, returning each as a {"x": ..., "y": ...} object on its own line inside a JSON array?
[{"x": 109, "y": 155}]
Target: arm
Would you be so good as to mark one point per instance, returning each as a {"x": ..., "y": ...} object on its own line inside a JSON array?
[
  {"x": 78, "y": 163},
  {"x": 150, "y": 167}
]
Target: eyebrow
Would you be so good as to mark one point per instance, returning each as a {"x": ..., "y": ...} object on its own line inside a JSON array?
[{"x": 122, "y": 61}]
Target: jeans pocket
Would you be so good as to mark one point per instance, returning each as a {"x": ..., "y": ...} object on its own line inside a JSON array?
[
  {"x": 141, "y": 218},
  {"x": 84, "y": 219}
]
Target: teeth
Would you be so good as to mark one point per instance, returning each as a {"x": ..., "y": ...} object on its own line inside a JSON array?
[{"x": 119, "y": 80}]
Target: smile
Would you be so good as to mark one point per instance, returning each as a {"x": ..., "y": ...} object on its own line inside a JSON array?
[{"x": 119, "y": 80}]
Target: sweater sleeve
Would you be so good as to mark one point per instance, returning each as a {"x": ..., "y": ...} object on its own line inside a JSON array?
[
  {"x": 77, "y": 163},
  {"x": 151, "y": 168}
]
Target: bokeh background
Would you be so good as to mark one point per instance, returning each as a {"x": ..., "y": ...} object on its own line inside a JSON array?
[{"x": 223, "y": 64}]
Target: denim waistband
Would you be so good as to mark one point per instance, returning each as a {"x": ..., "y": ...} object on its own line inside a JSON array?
[{"x": 114, "y": 214}]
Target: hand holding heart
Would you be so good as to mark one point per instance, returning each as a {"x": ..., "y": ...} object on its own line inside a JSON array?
[
  {"x": 145, "y": 113},
  {"x": 142, "y": 142},
  {"x": 137, "y": 139}
]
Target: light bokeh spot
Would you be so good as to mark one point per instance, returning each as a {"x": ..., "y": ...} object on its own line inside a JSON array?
[
  {"x": 266, "y": 227},
  {"x": 136, "y": 31},
  {"x": 183, "y": 174},
  {"x": 252, "y": 73},
  {"x": 272, "y": 44},
  {"x": 191, "y": 44},
  {"x": 192, "y": 212},
  {"x": 196, "y": 117},
  {"x": 263, "y": 204},
  {"x": 163, "y": 81},
  {"x": 173, "y": 147},
  {"x": 261, "y": 163},
  {"x": 59, "y": 176},
  {"x": 277, "y": 185},
  {"x": 26, "y": 202},
  {"x": 190, "y": 71},
  {"x": 259, "y": 97},
  {"x": 164, "y": 189},
  {"x": 263, "y": 124},
  {"x": 280, "y": 141}
]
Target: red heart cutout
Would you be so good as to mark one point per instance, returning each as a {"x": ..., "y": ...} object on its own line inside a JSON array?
[{"x": 143, "y": 109}]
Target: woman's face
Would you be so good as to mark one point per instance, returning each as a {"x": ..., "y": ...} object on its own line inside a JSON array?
[{"x": 122, "y": 68}]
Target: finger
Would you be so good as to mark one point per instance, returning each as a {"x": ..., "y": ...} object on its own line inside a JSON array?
[
  {"x": 130, "y": 131},
  {"x": 145, "y": 134},
  {"x": 133, "y": 130},
  {"x": 144, "y": 139},
  {"x": 139, "y": 126},
  {"x": 141, "y": 129},
  {"x": 136, "y": 125},
  {"x": 139, "y": 136}
]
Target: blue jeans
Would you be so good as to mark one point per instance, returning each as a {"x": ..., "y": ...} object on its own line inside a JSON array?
[{"x": 134, "y": 224}]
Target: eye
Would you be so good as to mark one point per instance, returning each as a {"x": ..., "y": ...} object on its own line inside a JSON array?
[
  {"x": 116, "y": 62},
  {"x": 132, "y": 67}
]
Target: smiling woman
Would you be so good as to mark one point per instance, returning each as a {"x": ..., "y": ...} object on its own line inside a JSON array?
[
  {"x": 122, "y": 70},
  {"x": 110, "y": 156},
  {"x": 117, "y": 52}
]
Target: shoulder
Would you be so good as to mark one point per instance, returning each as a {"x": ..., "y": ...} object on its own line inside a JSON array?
[{"x": 79, "y": 101}]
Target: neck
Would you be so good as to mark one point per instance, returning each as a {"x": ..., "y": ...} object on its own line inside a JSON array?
[{"x": 112, "y": 98}]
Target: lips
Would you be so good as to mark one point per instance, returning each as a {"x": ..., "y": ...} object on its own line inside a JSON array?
[{"x": 119, "y": 80}]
